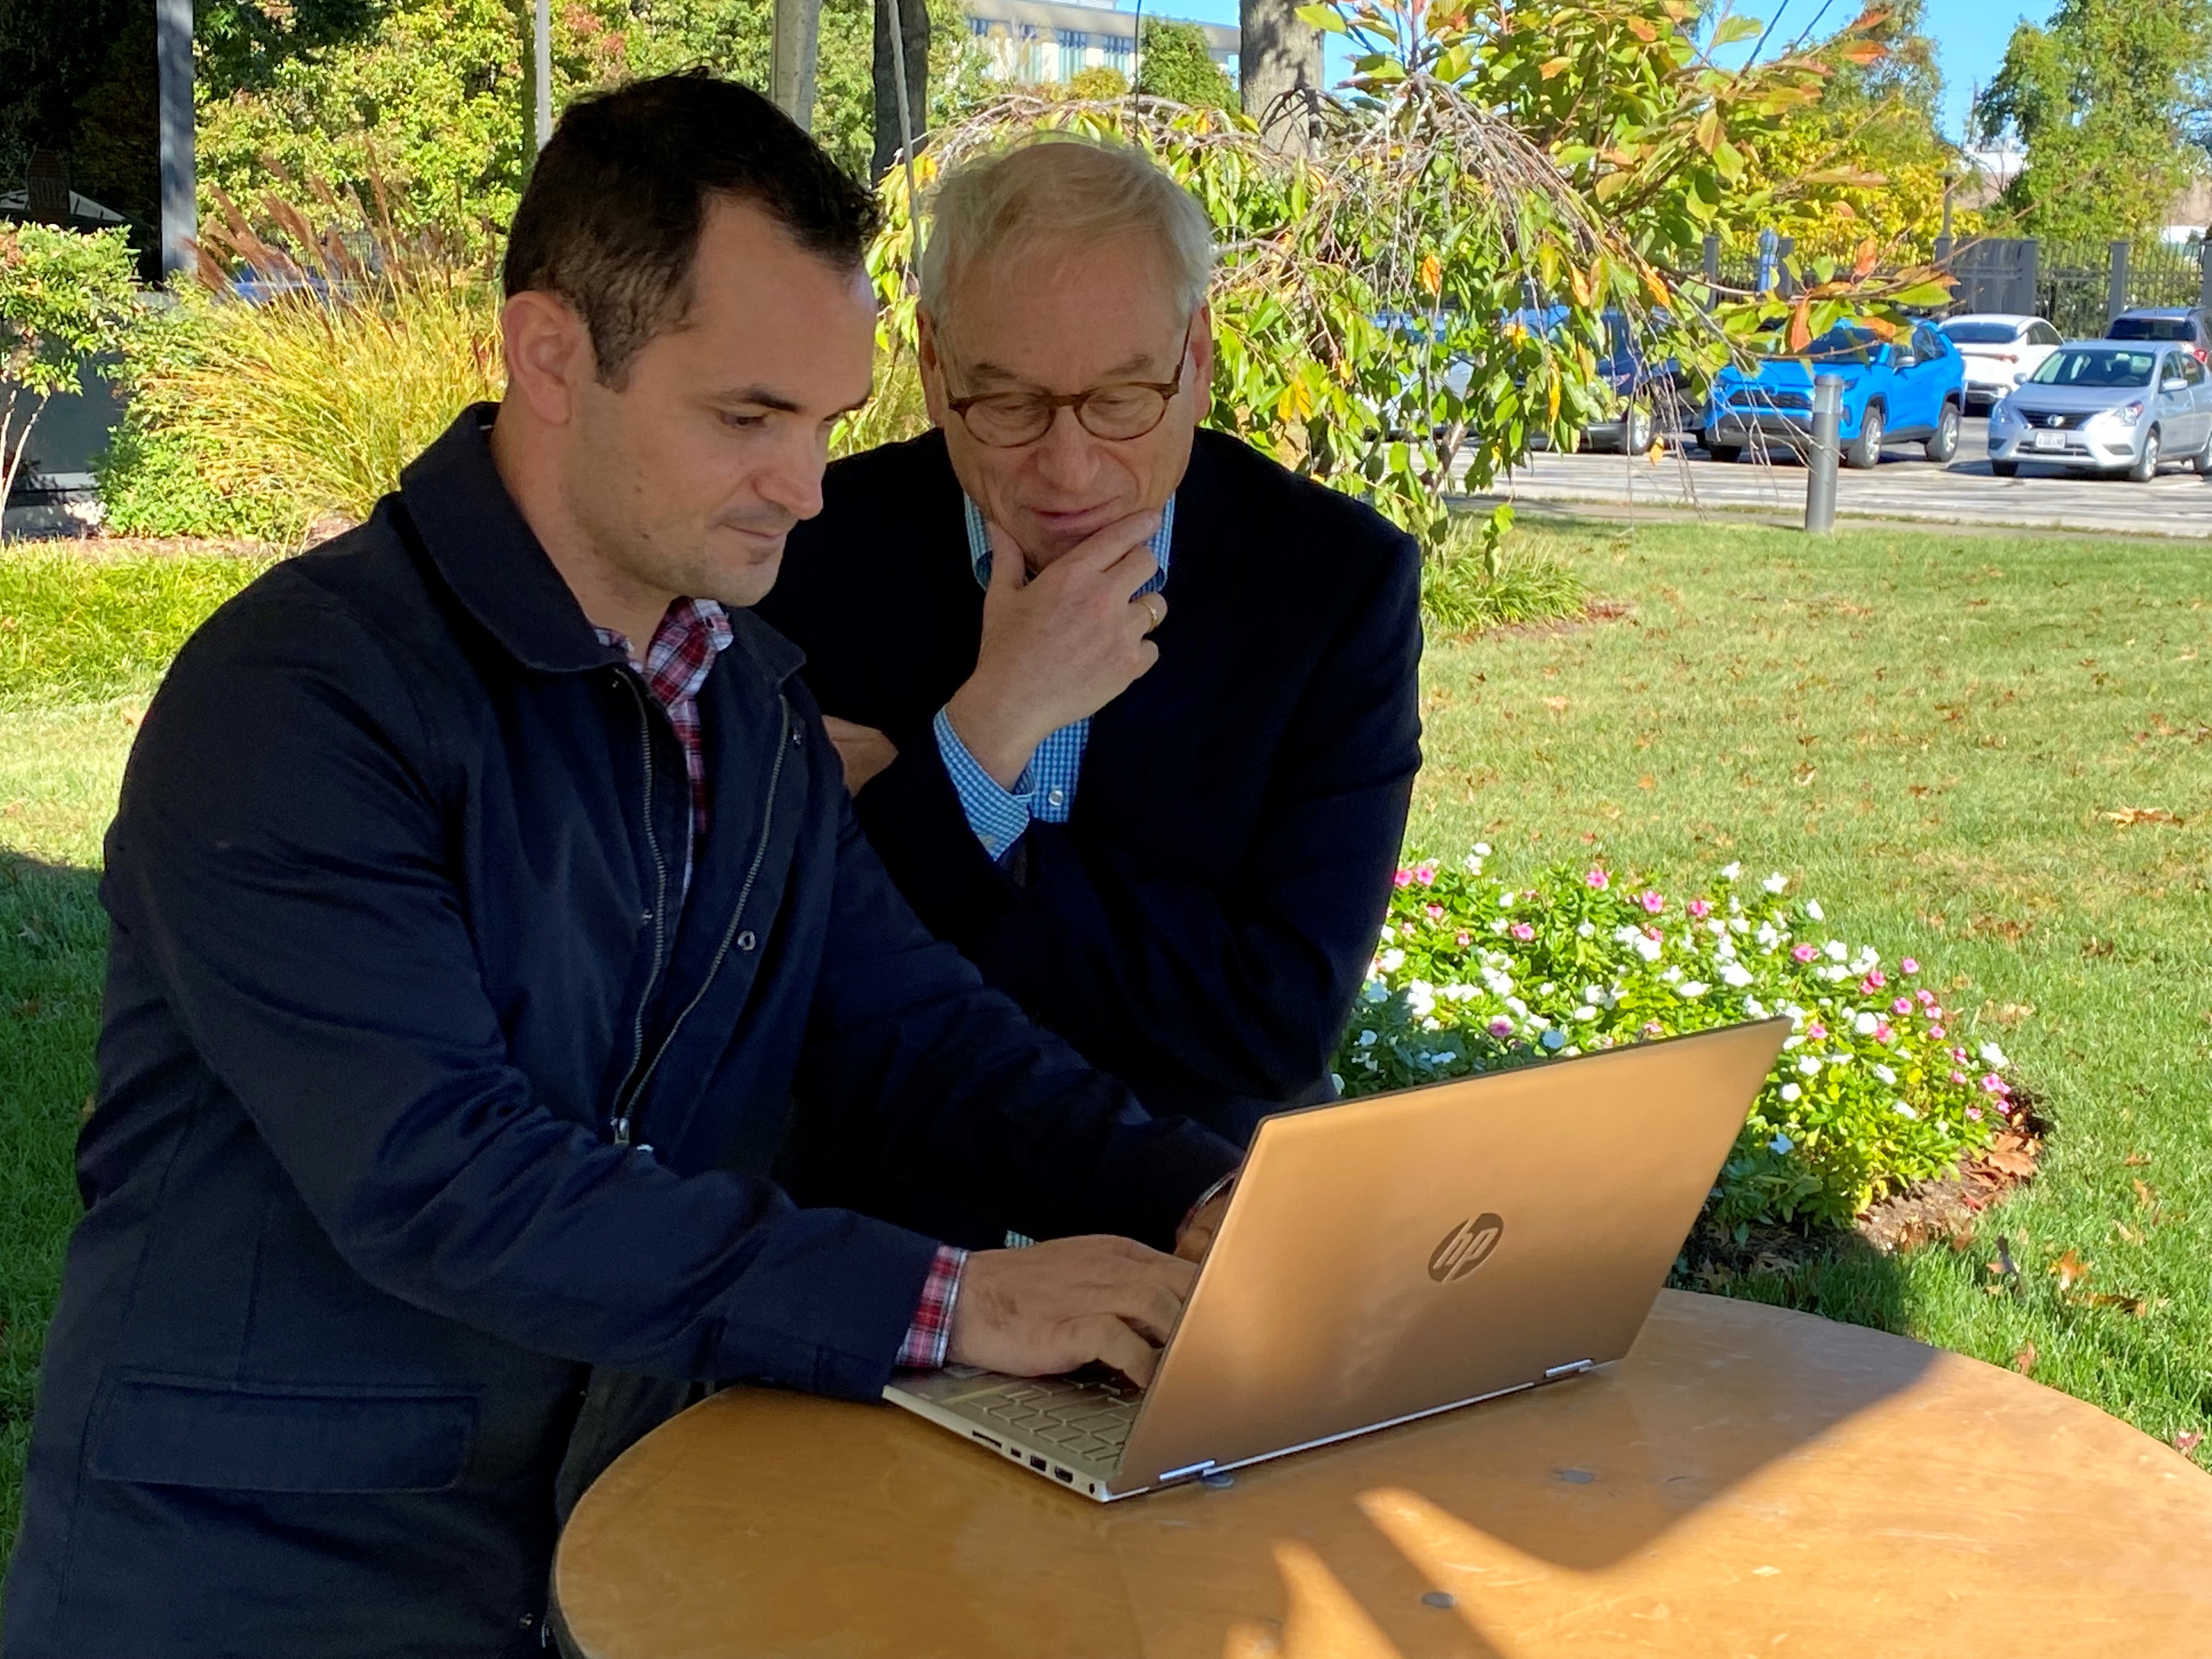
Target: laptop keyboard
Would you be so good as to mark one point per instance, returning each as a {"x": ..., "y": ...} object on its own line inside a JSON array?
[{"x": 1083, "y": 1415}]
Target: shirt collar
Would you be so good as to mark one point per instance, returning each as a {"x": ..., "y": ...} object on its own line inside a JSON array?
[
  {"x": 979, "y": 539},
  {"x": 673, "y": 668}
]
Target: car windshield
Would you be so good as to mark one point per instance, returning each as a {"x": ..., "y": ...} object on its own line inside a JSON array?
[
  {"x": 2149, "y": 328},
  {"x": 2096, "y": 366},
  {"x": 1844, "y": 341},
  {"x": 1982, "y": 333}
]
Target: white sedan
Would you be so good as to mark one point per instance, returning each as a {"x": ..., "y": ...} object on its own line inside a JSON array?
[{"x": 2001, "y": 351}]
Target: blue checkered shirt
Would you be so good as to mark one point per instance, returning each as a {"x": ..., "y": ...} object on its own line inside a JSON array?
[{"x": 1046, "y": 790}]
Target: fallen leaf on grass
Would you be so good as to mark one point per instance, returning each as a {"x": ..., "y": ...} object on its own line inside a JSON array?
[
  {"x": 2023, "y": 1361},
  {"x": 1557, "y": 705},
  {"x": 2093, "y": 946},
  {"x": 2126, "y": 1234},
  {"x": 2069, "y": 1270},
  {"x": 2130, "y": 815},
  {"x": 2127, "y": 1304},
  {"x": 2188, "y": 1440},
  {"x": 2009, "y": 1157},
  {"x": 2146, "y": 1195},
  {"x": 2135, "y": 1160}
]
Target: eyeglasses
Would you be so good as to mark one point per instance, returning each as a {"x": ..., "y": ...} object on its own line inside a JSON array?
[{"x": 1118, "y": 412}]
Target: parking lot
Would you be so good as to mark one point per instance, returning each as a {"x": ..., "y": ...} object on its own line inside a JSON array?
[{"x": 1905, "y": 486}]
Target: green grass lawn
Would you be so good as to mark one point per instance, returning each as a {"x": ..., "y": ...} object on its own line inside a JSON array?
[{"x": 1929, "y": 730}]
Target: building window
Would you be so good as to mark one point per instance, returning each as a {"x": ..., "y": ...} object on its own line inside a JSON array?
[
  {"x": 1120, "y": 49},
  {"x": 1072, "y": 43}
]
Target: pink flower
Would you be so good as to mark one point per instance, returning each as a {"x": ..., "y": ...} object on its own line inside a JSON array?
[
  {"x": 1700, "y": 910},
  {"x": 1958, "y": 1078},
  {"x": 1651, "y": 902},
  {"x": 1875, "y": 979},
  {"x": 1927, "y": 997},
  {"x": 1883, "y": 1032},
  {"x": 1815, "y": 1031},
  {"x": 1521, "y": 930},
  {"x": 1908, "y": 966},
  {"x": 1463, "y": 940},
  {"x": 1406, "y": 928},
  {"x": 1902, "y": 1006},
  {"x": 1598, "y": 880},
  {"x": 1436, "y": 913},
  {"x": 1652, "y": 1028},
  {"x": 1425, "y": 874},
  {"x": 1975, "y": 1113},
  {"x": 1804, "y": 953},
  {"x": 1992, "y": 1084},
  {"x": 1959, "y": 1055},
  {"x": 1501, "y": 1027},
  {"x": 1936, "y": 1032},
  {"x": 1403, "y": 878}
]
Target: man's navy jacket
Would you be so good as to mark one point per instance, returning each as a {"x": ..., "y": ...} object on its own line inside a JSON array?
[
  {"x": 1200, "y": 927},
  {"x": 393, "y": 944}
]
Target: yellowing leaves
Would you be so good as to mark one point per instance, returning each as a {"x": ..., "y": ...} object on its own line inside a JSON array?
[
  {"x": 1433, "y": 274},
  {"x": 1296, "y": 402}
]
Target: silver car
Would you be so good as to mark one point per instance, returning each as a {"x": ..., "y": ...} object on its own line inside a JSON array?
[{"x": 2107, "y": 406}]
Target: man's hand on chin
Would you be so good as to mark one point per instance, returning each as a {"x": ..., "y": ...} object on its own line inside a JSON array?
[
  {"x": 1065, "y": 1303},
  {"x": 865, "y": 751}
]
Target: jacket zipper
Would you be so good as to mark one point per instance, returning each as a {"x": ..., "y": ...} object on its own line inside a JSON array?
[
  {"x": 633, "y": 1089},
  {"x": 621, "y": 1124}
]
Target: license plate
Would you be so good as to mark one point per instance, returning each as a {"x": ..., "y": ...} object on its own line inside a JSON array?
[{"x": 2049, "y": 441}]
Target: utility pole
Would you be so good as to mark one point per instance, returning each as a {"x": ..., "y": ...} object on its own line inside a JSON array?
[{"x": 173, "y": 24}]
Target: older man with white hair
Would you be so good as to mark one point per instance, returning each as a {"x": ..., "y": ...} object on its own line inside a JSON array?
[{"x": 1128, "y": 709}]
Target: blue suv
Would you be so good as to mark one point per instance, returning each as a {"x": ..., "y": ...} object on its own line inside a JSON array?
[{"x": 1915, "y": 388}]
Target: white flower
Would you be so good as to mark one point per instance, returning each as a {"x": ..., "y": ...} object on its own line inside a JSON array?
[
  {"x": 1836, "y": 950},
  {"x": 1695, "y": 987},
  {"x": 1737, "y": 924},
  {"x": 1766, "y": 935},
  {"x": 1627, "y": 933},
  {"x": 1755, "y": 1007},
  {"x": 1593, "y": 993},
  {"x": 1724, "y": 948},
  {"x": 1498, "y": 925},
  {"x": 1993, "y": 1057},
  {"x": 1902, "y": 1110},
  {"x": 1420, "y": 999},
  {"x": 1647, "y": 947},
  {"x": 1505, "y": 898},
  {"x": 1546, "y": 989},
  {"x": 1482, "y": 849},
  {"x": 1839, "y": 1059},
  {"x": 1813, "y": 909},
  {"x": 1885, "y": 1074},
  {"x": 1864, "y": 1025},
  {"x": 1499, "y": 981},
  {"x": 1735, "y": 975},
  {"x": 1473, "y": 862},
  {"x": 1586, "y": 1011},
  {"x": 1673, "y": 975},
  {"x": 1459, "y": 992},
  {"x": 1781, "y": 1145},
  {"x": 1517, "y": 1006},
  {"x": 1367, "y": 1039},
  {"x": 1775, "y": 883},
  {"x": 1336, "y": 1079},
  {"x": 1809, "y": 1065},
  {"x": 1390, "y": 962},
  {"x": 1569, "y": 1052},
  {"x": 1584, "y": 930},
  {"x": 1790, "y": 1091},
  {"x": 1375, "y": 991}
]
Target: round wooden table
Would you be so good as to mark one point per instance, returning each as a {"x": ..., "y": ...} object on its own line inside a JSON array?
[{"x": 1749, "y": 1481}]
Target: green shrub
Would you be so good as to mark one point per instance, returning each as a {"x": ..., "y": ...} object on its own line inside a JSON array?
[
  {"x": 77, "y": 629},
  {"x": 1174, "y": 63},
  {"x": 1477, "y": 581},
  {"x": 1875, "y": 1088}
]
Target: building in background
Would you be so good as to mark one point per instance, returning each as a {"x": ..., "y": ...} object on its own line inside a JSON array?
[{"x": 1035, "y": 41}]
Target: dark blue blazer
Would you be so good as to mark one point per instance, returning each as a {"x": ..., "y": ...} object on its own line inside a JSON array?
[
  {"x": 1201, "y": 925},
  {"x": 393, "y": 949}
]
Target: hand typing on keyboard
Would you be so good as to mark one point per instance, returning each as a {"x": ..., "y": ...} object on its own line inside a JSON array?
[{"x": 1068, "y": 1303}]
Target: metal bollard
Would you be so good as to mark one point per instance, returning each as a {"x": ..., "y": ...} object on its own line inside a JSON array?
[{"x": 1820, "y": 464}]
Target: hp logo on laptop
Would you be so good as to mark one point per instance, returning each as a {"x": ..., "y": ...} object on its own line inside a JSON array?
[{"x": 1466, "y": 1247}]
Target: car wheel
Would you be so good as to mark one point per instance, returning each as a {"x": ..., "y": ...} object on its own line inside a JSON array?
[
  {"x": 1637, "y": 430},
  {"x": 2202, "y": 460},
  {"x": 1721, "y": 452},
  {"x": 1944, "y": 446},
  {"x": 1864, "y": 453},
  {"x": 2145, "y": 466},
  {"x": 2005, "y": 469}
]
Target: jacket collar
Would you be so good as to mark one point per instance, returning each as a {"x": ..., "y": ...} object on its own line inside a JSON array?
[{"x": 491, "y": 559}]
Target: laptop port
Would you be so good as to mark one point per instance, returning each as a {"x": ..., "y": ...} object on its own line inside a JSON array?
[
  {"x": 987, "y": 1439},
  {"x": 1037, "y": 1463},
  {"x": 1067, "y": 1475}
]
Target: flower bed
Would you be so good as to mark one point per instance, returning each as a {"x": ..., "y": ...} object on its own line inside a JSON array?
[{"x": 1875, "y": 1087}]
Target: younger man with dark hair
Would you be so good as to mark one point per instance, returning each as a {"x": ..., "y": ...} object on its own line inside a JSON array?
[{"x": 487, "y": 905}]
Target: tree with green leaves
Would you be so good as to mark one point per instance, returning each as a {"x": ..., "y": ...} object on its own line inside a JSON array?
[
  {"x": 1176, "y": 63},
  {"x": 65, "y": 298},
  {"x": 2105, "y": 97}
]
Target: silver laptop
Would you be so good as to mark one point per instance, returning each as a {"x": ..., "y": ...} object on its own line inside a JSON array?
[{"x": 1389, "y": 1258}]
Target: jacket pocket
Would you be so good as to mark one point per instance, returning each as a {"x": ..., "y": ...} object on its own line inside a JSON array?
[{"x": 169, "y": 1432}]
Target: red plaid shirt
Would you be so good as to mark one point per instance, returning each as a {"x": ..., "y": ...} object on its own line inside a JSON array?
[{"x": 692, "y": 634}]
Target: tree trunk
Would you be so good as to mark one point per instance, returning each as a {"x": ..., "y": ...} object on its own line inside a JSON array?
[
  {"x": 795, "y": 51},
  {"x": 913, "y": 24},
  {"x": 1279, "y": 72}
]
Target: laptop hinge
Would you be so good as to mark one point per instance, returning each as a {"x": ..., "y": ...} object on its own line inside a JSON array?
[
  {"x": 1553, "y": 1373},
  {"x": 1187, "y": 1469}
]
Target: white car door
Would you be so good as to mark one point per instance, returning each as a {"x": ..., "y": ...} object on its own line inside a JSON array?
[
  {"x": 2173, "y": 403},
  {"x": 2200, "y": 396},
  {"x": 2038, "y": 341}
]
